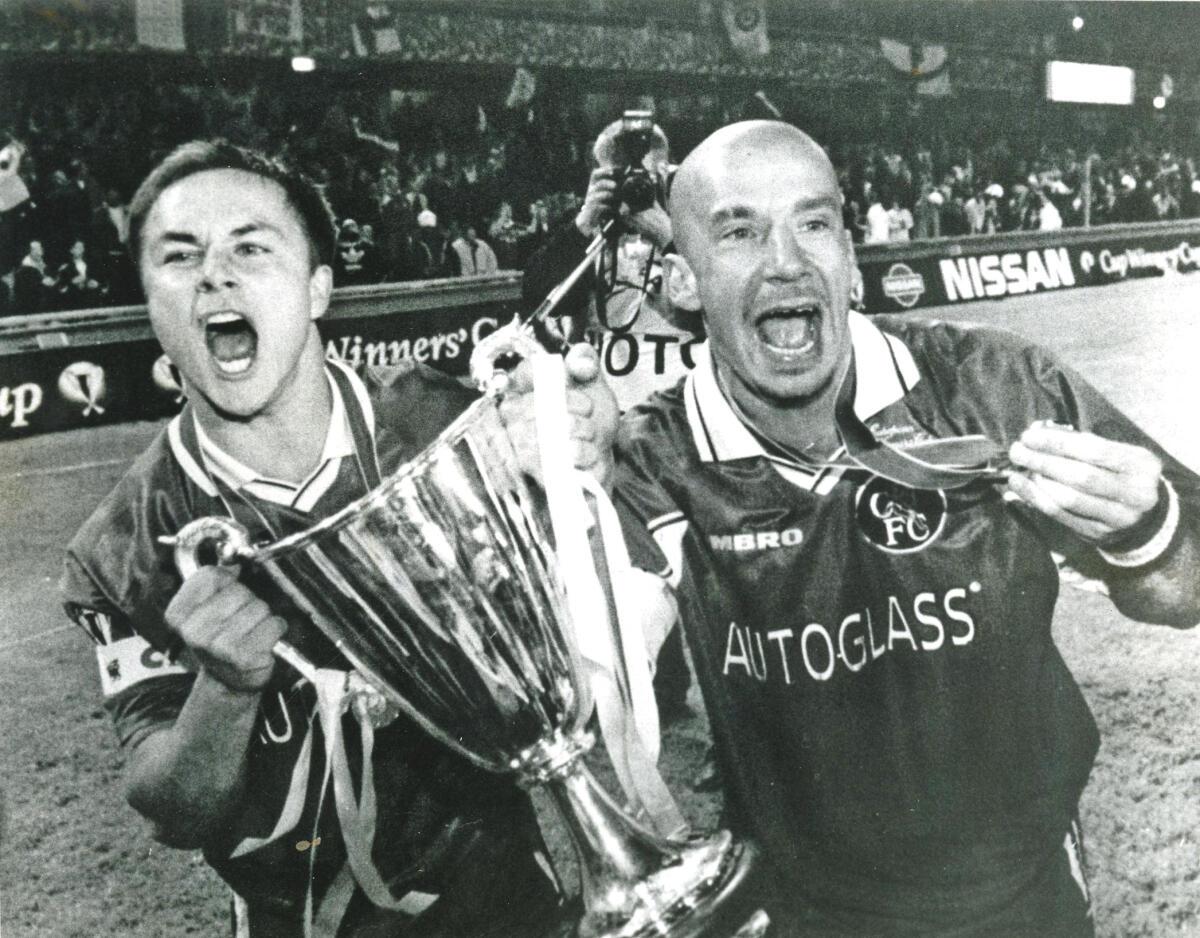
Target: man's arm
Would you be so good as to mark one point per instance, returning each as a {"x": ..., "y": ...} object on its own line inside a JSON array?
[{"x": 187, "y": 779}]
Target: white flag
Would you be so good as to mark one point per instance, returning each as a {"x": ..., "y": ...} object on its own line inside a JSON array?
[
  {"x": 160, "y": 24},
  {"x": 746, "y": 23},
  {"x": 924, "y": 65}
]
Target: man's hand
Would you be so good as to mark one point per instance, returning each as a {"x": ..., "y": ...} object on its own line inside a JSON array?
[
  {"x": 1095, "y": 487},
  {"x": 654, "y": 224},
  {"x": 599, "y": 204},
  {"x": 602, "y": 202},
  {"x": 228, "y": 632},
  {"x": 591, "y": 406}
]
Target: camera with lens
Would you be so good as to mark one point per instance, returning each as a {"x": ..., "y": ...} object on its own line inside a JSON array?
[{"x": 629, "y": 142}]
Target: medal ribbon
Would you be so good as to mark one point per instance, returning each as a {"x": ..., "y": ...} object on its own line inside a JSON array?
[{"x": 948, "y": 463}]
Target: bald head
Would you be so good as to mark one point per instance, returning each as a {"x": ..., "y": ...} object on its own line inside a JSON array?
[
  {"x": 738, "y": 150},
  {"x": 763, "y": 257}
]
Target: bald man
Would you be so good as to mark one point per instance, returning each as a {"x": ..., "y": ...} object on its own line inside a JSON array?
[{"x": 891, "y": 718}]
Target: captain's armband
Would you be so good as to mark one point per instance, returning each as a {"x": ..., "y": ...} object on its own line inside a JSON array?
[{"x": 124, "y": 657}]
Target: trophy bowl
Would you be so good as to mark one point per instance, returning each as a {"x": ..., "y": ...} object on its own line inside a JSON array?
[{"x": 441, "y": 587}]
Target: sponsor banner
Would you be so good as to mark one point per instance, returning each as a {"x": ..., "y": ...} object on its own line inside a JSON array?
[
  {"x": 895, "y": 281},
  {"x": 67, "y": 387},
  {"x": 636, "y": 364}
]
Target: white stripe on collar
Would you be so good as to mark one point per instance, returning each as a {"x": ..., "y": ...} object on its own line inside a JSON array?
[
  {"x": 339, "y": 442},
  {"x": 360, "y": 393},
  {"x": 884, "y": 370},
  {"x": 190, "y": 467}
]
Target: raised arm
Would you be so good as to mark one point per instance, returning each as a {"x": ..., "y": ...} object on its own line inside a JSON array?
[
  {"x": 187, "y": 778},
  {"x": 1116, "y": 497}
]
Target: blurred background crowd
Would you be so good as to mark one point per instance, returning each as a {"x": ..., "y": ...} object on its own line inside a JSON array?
[{"x": 451, "y": 138}]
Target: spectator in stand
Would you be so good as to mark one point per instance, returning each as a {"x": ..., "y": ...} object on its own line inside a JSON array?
[
  {"x": 61, "y": 212},
  {"x": 878, "y": 223},
  {"x": 504, "y": 235},
  {"x": 32, "y": 283},
  {"x": 852, "y": 213},
  {"x": 1105, "y": 210},
  {"x": 14, "y": 203},
  {"x": 1166, "y": 205},
  {"x": 109, "y": 235},
  {"x": 433, "y": 240},
  {"x": 900, "y": 222},
  {"x": 991, "y": 208},
  {"x": 535, "y": 233},
  {"x": 1049, "y": 217},
  {"x": 1189, "y": 206},
  {"x": 74, "y": 283},
  {"x": 927, "y": 214},
  {"x": 975, "y": 212},
  {"x": 355, "y": 261},
  {"x": 953, "y": 214},
  {"x": 471, "y": 256}
]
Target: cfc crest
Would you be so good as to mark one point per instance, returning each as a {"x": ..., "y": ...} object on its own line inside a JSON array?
[{"x": 897, "y": 519}]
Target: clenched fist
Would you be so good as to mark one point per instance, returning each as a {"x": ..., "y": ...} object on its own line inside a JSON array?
[{"x": 227, "y": 631}]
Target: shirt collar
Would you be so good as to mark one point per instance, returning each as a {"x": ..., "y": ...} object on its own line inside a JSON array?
[
  {"x": 339, "y": 442},
  {"x": 884, "y": 371}
]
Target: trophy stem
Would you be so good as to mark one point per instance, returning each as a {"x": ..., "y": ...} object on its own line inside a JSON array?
[
  {"x": 634, "y": 883},
  {"x": 616, "y": 854}
]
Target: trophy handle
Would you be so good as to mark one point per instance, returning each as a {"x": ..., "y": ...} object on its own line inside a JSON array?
[
  {"x": 216, "y": 541},
  {"x": 206, "y": 542}
]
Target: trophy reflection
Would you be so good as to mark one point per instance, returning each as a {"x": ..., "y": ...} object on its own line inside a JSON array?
[{"x": 442, "y": 587}]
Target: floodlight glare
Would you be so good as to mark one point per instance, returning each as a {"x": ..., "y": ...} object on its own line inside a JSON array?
[
  {"x": 1077, "y": 23},
  {"x": 303, "y": 63}
]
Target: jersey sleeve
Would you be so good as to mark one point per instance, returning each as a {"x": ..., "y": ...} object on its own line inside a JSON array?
[
  {"x": 1062, "y": 394},
  {"x": 652, "y": 522},
  {"x": 413, "y": 403},
  {"x": 143, "y": 688}
]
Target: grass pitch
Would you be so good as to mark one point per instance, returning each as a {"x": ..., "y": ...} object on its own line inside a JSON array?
[{"x": 77, "y": 863}]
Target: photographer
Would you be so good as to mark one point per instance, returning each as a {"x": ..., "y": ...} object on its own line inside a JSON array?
[{"x": 618, "y": 303}]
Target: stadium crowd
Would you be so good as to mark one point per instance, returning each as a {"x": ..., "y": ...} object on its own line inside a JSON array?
[{"x": 419, "y": 180}]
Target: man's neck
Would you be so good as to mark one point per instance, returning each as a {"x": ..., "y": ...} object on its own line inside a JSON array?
[
  {"x": 805, "y": 425},
  {"x": 284, "y": 441}
]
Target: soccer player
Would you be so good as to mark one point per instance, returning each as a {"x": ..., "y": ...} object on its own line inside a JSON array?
[
  {"x": 892, "y": 720},
  {"x": 222, "y": 752}
]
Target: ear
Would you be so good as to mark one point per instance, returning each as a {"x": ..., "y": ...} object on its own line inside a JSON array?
[
  {"x": 682, "y": 289},
  {"x": 320, "y": 289},
  {"x": 856, "y": 278}
]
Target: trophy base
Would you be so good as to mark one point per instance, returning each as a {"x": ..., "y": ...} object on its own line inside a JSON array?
[{"x": 699, "y": 896}]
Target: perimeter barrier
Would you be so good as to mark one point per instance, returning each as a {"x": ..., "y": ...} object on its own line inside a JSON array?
[
  {"x": 59, "y": 371},
  {"x": 902, "y": 276},
  {"x": 64, "y": 370}
]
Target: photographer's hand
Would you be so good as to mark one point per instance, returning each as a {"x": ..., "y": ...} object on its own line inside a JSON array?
[
  {"x": 653, "y": 223},
  {"x": 600, "y": 203}
]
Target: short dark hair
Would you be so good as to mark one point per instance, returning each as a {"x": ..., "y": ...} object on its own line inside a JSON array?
[{"x": 201, "y": 155}]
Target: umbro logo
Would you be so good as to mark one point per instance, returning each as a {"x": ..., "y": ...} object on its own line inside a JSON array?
[{"x": 756, "y": 540}]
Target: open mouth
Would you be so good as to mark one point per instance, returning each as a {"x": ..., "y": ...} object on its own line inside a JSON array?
[
  {"x": 790, "y": 329},
  {"x": 231, "y": 342}
]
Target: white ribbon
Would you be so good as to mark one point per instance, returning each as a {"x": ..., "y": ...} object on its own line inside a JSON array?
[
  {"x": 336, "y": 692},
  {"x": 615, "y": 652}
]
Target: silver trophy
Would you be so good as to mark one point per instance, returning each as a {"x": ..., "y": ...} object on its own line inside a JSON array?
[{"x": 442, "y": 588}]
